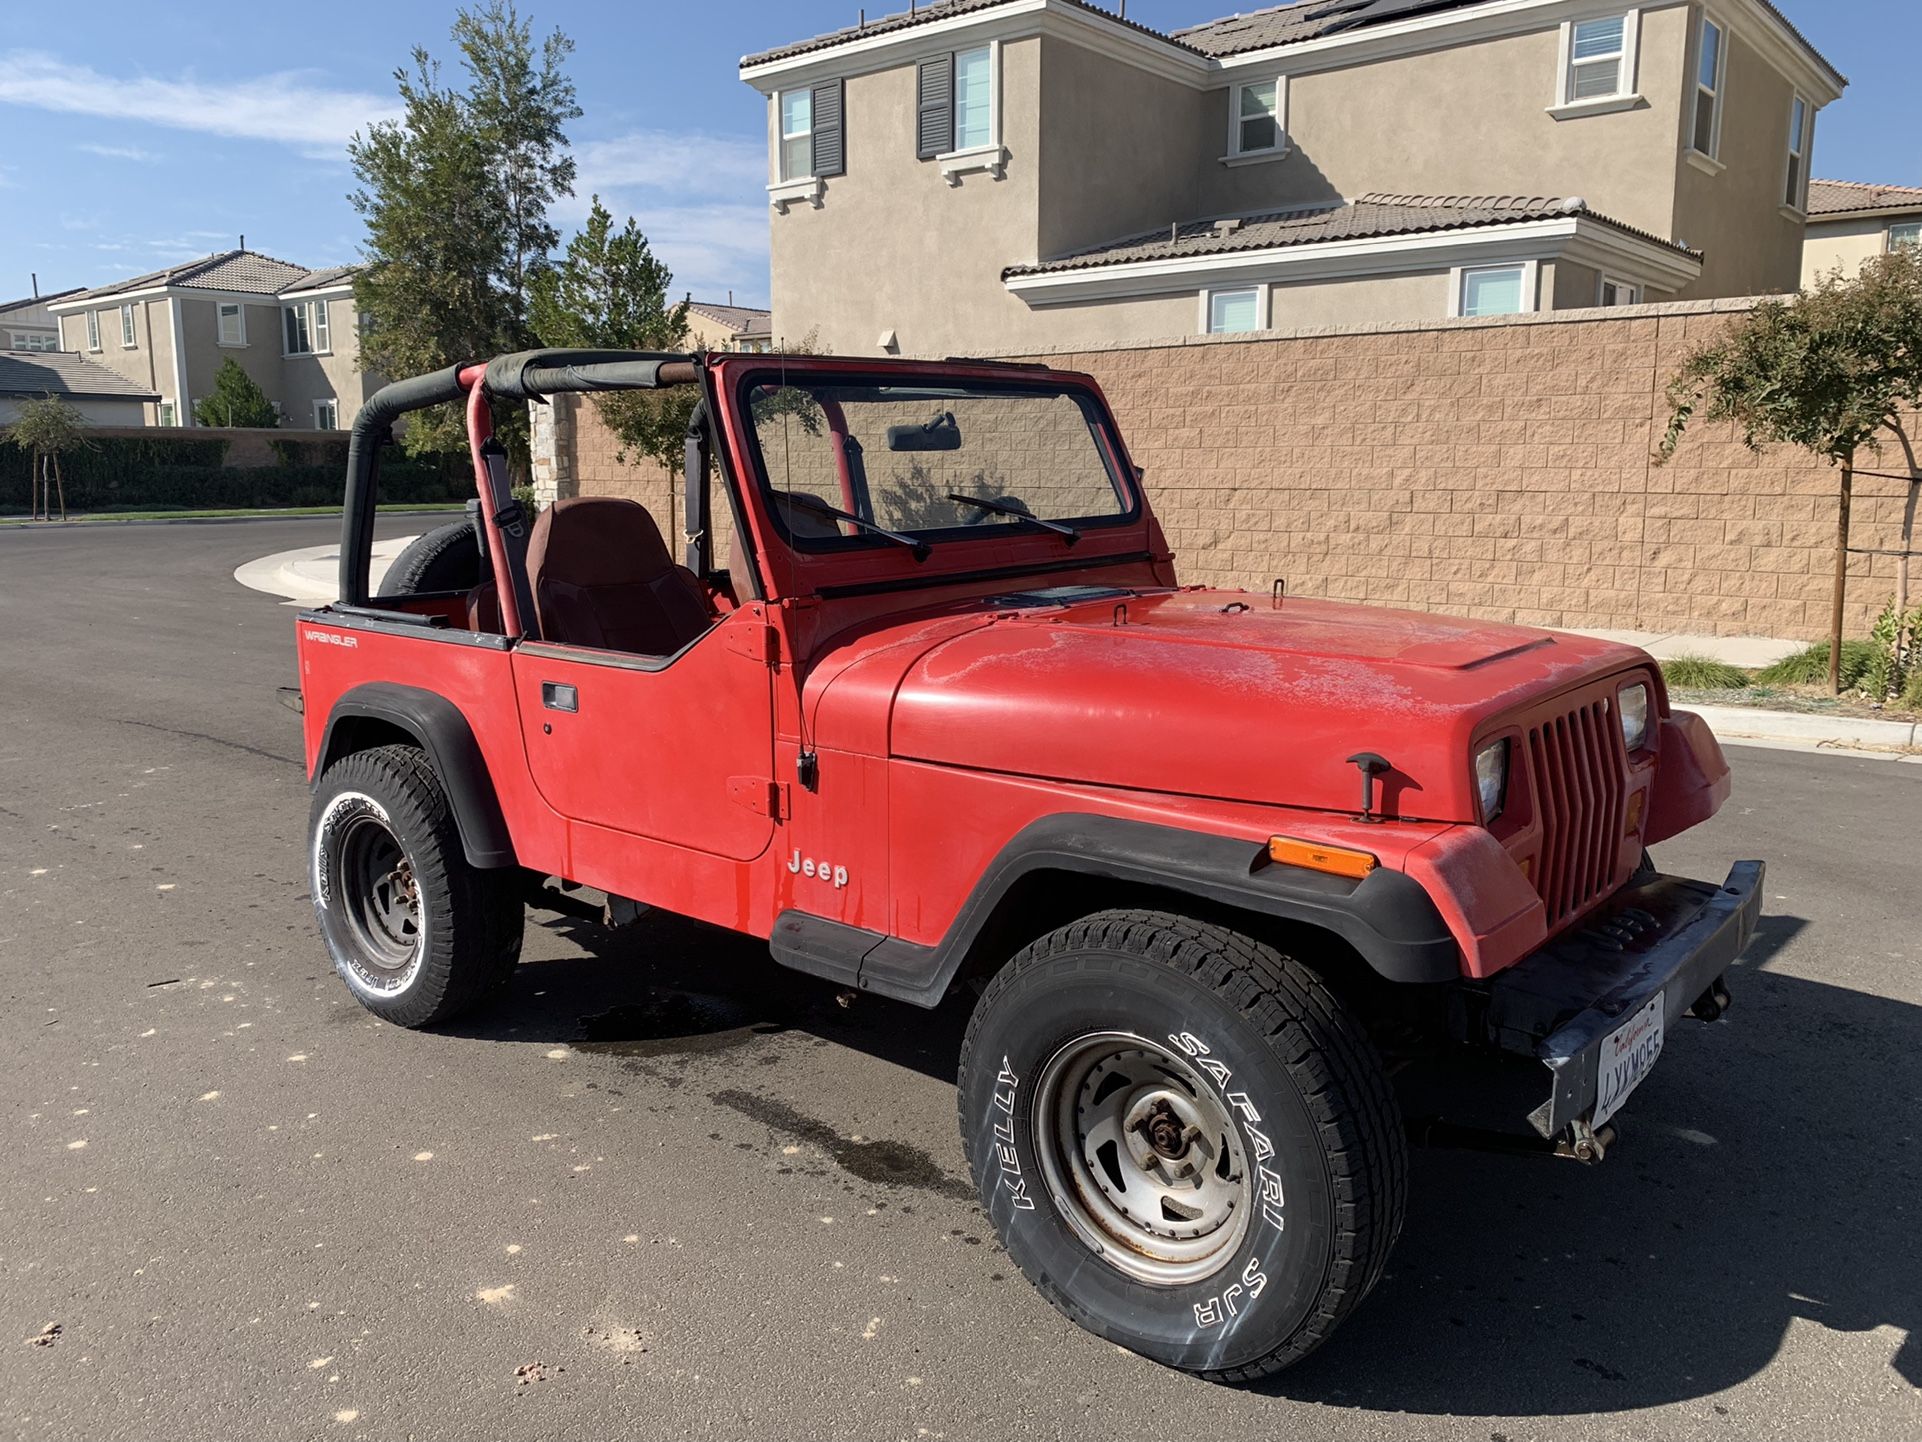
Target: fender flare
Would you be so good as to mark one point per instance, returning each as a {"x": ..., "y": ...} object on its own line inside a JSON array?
[
  {"x": 444, "y": 734},
  {"x": 1387, "y": 917}
]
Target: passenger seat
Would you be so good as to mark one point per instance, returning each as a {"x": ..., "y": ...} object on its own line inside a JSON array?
[{"x": 602, "y": 576}]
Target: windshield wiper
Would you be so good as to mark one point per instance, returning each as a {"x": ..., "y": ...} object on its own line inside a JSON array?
[
  {"x": 1019, "y": 512},
  {"x": 808, "y": 501}
]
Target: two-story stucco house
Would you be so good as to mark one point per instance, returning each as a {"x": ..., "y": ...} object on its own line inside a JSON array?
[
  {"x": 27, "y": 324},
  {"x": 1850, "y": 223},
  {"x": 989, "y": 175},
  {"x": 295, "y": 331}
]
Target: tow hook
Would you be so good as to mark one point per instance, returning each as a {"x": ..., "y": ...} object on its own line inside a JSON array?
[
  {"x": 1713, "y": 1002},
  {"x": 1585, "y": 1143}
]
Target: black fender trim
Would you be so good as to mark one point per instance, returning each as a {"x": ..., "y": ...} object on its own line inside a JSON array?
[
  {"x": 444, "y": 734},
  {"x": 1386, "y": 917}
]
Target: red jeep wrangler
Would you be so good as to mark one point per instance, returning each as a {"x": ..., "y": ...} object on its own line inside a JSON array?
[{"x": 1215, "y": 862}]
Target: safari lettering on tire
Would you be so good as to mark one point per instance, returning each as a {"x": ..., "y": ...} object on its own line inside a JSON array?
[{"x": 1216, "y": 1196}]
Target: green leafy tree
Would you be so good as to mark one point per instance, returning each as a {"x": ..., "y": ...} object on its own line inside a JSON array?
[
  {"x": 610, "y": 292},
  {"x": 455, "y": 195},
  {"x": 1831, "y": 371},
  {"x": 235, "y": 400},
  {"x": 47, "y": 427}
]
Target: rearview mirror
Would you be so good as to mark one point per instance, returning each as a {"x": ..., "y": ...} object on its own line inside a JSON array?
[{"x": 939, "y": 434}]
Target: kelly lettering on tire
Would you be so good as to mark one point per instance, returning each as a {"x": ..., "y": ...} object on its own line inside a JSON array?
[{"x": 1004, "y": 1149}]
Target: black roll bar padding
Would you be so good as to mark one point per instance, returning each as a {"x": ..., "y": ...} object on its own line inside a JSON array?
[
  {"x": 373, "y": 428},
  {"x": 694, "y": 481},
  {"x": 531, "y": 373}
]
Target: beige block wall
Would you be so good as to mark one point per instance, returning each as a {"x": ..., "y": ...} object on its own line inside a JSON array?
[
  {"x": 1749, "y": 246},
  {"x": 1499, "y": 469},
  {"x": 1847, "y": 245}
]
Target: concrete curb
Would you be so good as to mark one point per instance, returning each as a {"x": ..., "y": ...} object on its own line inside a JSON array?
[
  {"x": 73, "y": 522},
  {"x": 1749, "y": 723},
  {"x": 306, "y": 576}
]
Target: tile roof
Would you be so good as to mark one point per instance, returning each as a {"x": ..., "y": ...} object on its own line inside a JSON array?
[
  {"x": 7, "y": 306},
  {"x": 63, "y": 373},
  {"x": 1846, "y": 197},
  {"x": 738, "y": 318},
  {"x": 924, "y": 14},
  {"x": 1231, "y": 35},
  {"x": 247, "y": 271},
  {"x": 315, "y": 279},
  {"x": 1369, "y": 217}
]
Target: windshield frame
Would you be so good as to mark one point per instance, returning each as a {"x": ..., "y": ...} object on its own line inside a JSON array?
[{"x": 940, "y": 539}]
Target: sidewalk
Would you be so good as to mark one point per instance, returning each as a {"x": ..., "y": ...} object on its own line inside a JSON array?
[{"x": 310, "y": 575}]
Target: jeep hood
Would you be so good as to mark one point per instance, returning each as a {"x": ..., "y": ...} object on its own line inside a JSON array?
[{"x": 1230, "y": 695}]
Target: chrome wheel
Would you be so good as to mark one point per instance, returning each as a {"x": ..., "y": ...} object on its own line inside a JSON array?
[
  {"x": 379, "y": 894},
  {"x": 1143, "y": 1157}
]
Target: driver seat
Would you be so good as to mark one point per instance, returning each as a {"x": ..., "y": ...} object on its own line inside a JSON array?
[{"x": 602, "y": 577}]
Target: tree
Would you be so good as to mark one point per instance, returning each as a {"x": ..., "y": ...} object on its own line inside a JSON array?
[
  {"x": 455, "y": 196},
  {"x": 47, "y": 427},
  {"x": 1829, "y": 370},
  {"x": 236, "y": 400},
  {"x": 609, "y": 292}
]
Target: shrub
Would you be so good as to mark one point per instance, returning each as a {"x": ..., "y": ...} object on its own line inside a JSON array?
[
  {"x": 182, "y": 472},
  {"x": 1810, "y": 666},
  {"x": 1704, "y": 673}
]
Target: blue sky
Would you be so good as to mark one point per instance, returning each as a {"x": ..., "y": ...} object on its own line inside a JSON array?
[{"x": 130, "y": 140}]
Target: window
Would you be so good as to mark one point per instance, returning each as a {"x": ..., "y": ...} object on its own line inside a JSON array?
[
  {"x": 167, "y": 417},
  {"x": 1908, "y": 234},
  {"x": 1494, "y": 290},
  {"x": 327, "y": 415},
  {"x": 126, "y": 326},
  {"x": 954, "y": 103},
  {"x": 233, "y": 324},
  {"x": 1230, "y": 311},
  {"x": 307, "y": 328},
  {"x": 973, "y": 98},
  {"x": 1258, "y": 126},
  {"x": 1795, "y": 194},
  {"x": 797, "y": 134},
  {"x": 93, "y": 330},
  {"x": 1598, "y": 53},
  {"x": 1710, "y": 70},
  {"x": 35, "y": 340},
  {"x": 1620, "y": 292}
]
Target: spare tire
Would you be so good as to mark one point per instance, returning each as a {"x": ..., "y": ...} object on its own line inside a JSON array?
[{"x": 447, "y": 558}]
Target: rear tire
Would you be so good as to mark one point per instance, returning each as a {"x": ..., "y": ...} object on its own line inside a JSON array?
[
  {"x": 1184, "y": 1141},
  {"x": 447, "y": 558},
  {"x": 417, "y": 933}
]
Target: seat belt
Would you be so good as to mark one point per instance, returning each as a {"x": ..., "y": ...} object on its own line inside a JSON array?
[{"x": 510, "y": 518}]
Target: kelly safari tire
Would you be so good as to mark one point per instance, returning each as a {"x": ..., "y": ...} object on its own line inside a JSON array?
[
  {"x": 418, "y": 935},
  {"x": 447, "y": 558},
  {"x": 1183, "y": 1141}
]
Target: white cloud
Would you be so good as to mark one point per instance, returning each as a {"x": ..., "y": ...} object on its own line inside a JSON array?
[
  {"x": 700, "y": 200},
  {"x": 286, "y": 107},
  {"x": 665, "y": 160},
  {"x": 117, "y": 152}
]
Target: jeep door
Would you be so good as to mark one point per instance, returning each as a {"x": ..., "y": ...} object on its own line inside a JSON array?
[{"x": 677, "y": 748}]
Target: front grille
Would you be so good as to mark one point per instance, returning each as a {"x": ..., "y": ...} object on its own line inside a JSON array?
[{"x": 1578, "y": 762}]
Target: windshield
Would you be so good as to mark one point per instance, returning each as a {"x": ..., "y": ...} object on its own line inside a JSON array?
[{"x": 872, "y": 462}]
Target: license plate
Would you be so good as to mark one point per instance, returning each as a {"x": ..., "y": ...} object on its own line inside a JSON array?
[{"x": 1628, "y": 1054}]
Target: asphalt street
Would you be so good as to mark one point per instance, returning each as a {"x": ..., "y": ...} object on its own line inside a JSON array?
[{"x": 666, "y": 1189}]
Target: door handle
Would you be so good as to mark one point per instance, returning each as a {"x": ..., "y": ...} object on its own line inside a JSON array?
[{"x": 557, "y": 696}]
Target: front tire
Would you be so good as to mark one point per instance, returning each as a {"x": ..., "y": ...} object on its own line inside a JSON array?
[
  {"x": 417, "y": 933},
  {"x": 1184, "y": 1141}
]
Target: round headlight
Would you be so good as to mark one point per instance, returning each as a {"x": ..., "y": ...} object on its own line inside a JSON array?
[
  {"x": 1634, "y": 707},
  {"x": 1491, "y": 778}
]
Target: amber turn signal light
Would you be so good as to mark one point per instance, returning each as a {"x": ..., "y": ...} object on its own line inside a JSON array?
[{"x": 1335, "y": 860}]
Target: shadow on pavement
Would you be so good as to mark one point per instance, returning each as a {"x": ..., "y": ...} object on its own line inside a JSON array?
[{"x": 1767, "y": 1172}]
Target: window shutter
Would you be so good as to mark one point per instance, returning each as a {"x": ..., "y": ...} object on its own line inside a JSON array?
[
  {"x": 934, "y": 107},
  {"x": 830, "y": 146}
]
